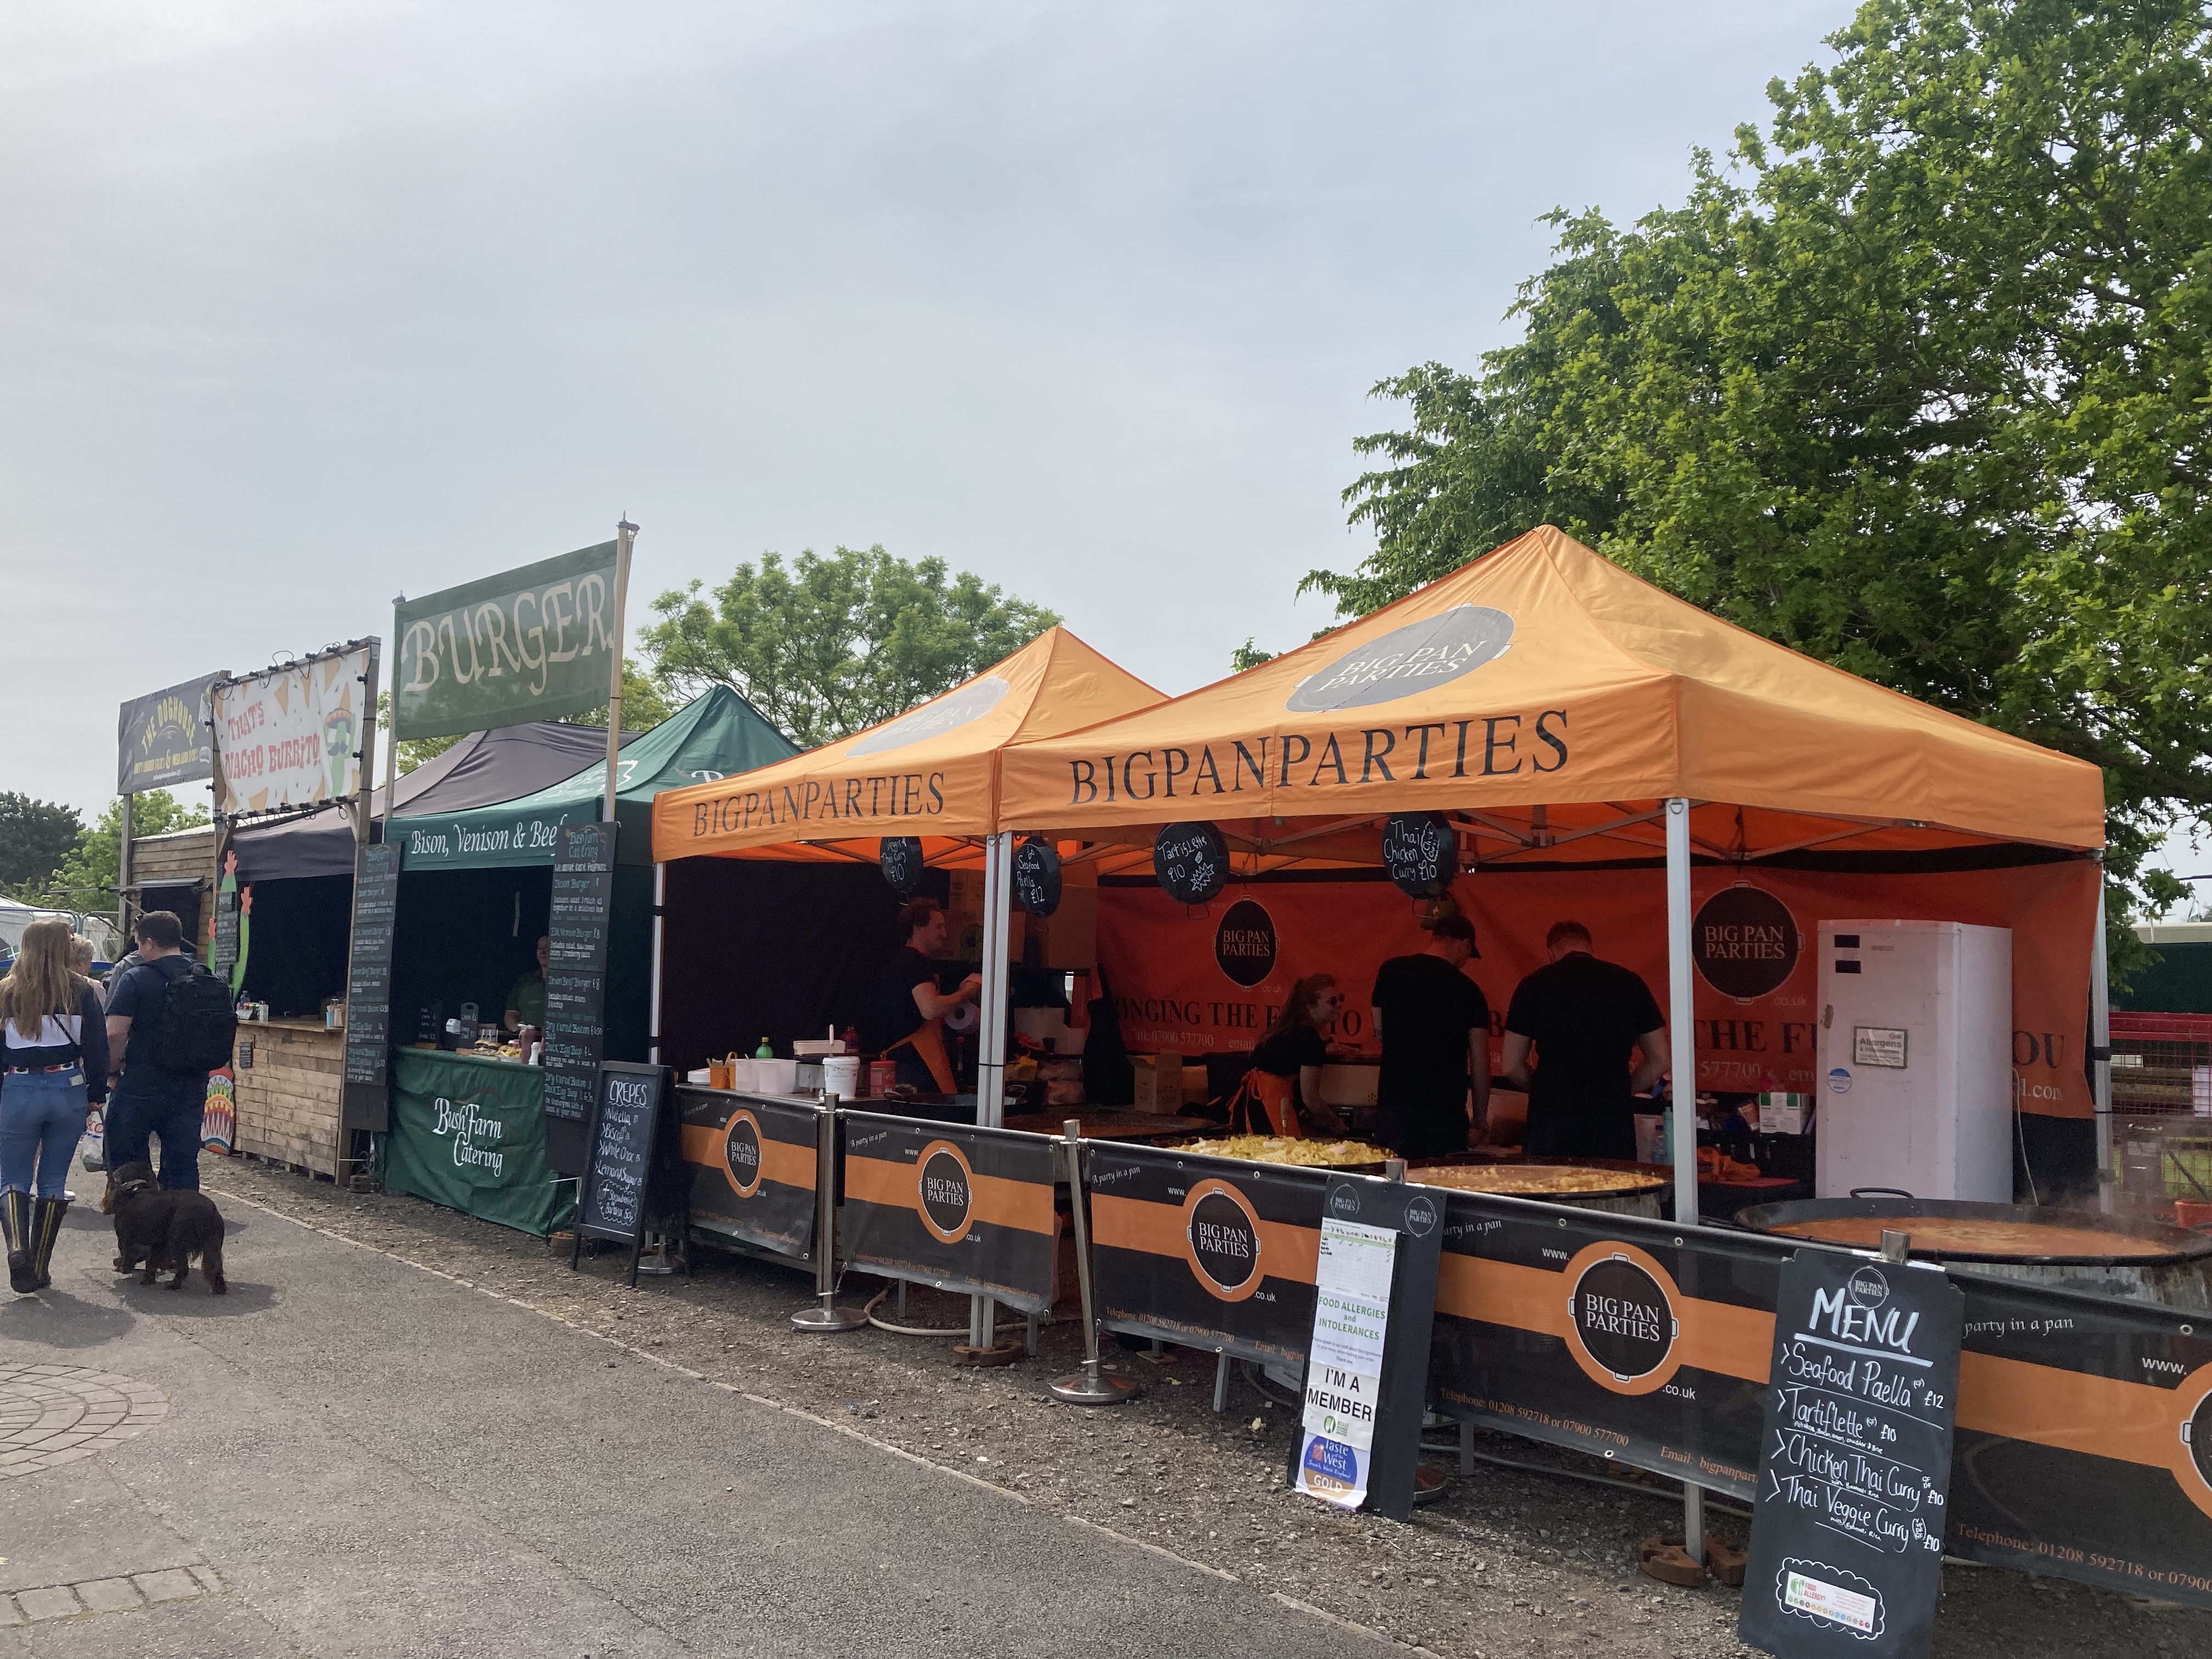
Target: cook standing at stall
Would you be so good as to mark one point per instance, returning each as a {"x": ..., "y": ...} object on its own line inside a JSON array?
[
  {"x": 909, "y": 1022},
  {"x": 1434, "y": 1092},
  {"x": 1584, "y": 1018},
  {"x": 526, "y": 999},
  {"x": 1286, "y": 1074}
]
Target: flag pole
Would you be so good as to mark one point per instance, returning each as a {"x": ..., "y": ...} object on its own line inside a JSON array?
[{"x": 625, "y": 533}]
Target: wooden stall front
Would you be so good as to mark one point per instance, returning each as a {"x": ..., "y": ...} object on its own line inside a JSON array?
[{"x": 288, "y": 1076}]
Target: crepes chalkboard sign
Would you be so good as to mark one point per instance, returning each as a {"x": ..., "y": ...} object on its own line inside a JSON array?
[
  {"x": 576, "y": 967},
  {"x": 619, "y": 1197},
  {"x": 368, "y": 986},
  {"x": 1191, "y": 861},
  {"x": 1419, "y": 852},
  {"x": 901, "y": 856},
  {"x": 1855, "y": 1465},
  {"x": 1036, "y": 876}
]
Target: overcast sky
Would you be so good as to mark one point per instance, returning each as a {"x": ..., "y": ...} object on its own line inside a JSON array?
[{"x": 305, "y": 305}]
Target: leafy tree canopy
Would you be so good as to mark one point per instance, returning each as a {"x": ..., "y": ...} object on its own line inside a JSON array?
[
  {"x": 827, "y": 646},
  {"x": 1920, "y": 384},
  {"x": 86, "y": 878},
  {"x": 35, "y": 835}
]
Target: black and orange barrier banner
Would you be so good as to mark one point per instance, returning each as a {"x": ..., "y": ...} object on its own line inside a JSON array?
[
  {"x": 1213, "y": 1252},
  {"x": 2084, "y": 1440},
  {"x": 964, "y": 1209},
  {"x": 752, "y": 1168}
]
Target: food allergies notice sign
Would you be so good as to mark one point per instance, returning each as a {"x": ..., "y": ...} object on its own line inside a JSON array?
[
  {"x": 576, "y": 968},
  {"x": 1854, "y": 1466},
  {"x": 1343, "y": 1371}
]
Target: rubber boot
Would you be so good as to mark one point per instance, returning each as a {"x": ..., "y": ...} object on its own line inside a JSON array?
[
  {"x": 15, "y": 1217},
  {"x": 46, "y": 1227}
]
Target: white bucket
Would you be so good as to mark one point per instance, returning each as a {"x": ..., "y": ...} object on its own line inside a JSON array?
[
  {"x": 775, "y": 1077},
  {"x": 841, "y": 1076}
]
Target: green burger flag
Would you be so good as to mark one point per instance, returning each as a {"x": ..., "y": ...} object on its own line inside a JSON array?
[{"x": 529, "y": 644}]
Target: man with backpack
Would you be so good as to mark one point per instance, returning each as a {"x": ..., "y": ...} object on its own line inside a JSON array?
[{"x": 170, "y": 1021}]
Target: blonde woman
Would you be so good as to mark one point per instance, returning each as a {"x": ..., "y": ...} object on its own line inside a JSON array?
[{"x": 56, "y": 1062}]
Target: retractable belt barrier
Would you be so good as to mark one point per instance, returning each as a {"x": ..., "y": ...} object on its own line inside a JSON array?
[{"x": 752, "y": 1168}]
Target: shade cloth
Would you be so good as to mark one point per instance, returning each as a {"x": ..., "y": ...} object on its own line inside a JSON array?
[
  {"x": 482, "y": 767},
  {"x": 716, "y": 735}
]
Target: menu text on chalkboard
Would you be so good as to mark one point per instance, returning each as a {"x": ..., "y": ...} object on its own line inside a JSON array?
[
  {"x": 618, "y": 1198},
  {"x": 1854, "y": 1467},
  {"x": 1191, "y": 861},
  {"x": 1420, "y": 852},
  {"x": 223, "y": 957},
  {"x": 368, "y": 983},
  {"x": 1036, "y": 876},
  {"x": 576, "y": 967},
  {"x": 901, "y": 859}
]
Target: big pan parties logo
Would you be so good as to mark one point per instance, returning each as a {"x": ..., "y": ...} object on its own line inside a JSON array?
[
  {"x": 741, "y": 1153},
  {"x": 1623, "y": 1324},
  {"x": 1431, "y": 652},
  {"x": 945, "y": 1190},
  {"x": 1244, "y": 943},
  {"x": 1745, "y": 942},
  {"x": 1221, "y": 1239}
]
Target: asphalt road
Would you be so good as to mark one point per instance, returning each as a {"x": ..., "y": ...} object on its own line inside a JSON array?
[{"x": 361, "y": 1457}]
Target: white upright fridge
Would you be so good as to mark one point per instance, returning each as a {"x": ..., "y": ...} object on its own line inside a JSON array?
[{"x": 1915, "y": 1087}]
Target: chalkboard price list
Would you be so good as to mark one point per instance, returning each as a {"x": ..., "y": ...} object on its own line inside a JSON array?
[
  {"x": 576, "y": 967},
  {"x": 368, "y": 974},
  {"x": 1847, "y": 1539}
]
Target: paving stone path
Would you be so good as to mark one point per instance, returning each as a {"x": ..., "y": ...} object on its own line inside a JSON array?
[{"x": 54, "y": 1414}]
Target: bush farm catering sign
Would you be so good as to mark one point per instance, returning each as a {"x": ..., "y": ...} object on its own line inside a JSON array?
[{"x": 533, "y": 643}]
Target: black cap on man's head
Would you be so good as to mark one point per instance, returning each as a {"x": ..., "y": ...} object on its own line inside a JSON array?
[{"x": 1458, "y": 928}]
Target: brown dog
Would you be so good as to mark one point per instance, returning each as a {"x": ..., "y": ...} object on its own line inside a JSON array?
[{"x": 165, "y": 1229}]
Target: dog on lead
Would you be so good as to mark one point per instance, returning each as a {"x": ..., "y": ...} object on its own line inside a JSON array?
[{"x": 162, "y": 1228}]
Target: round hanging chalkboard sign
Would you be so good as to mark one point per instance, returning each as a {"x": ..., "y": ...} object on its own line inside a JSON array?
[
  {"x": 1036, "y": 876},
  {"x": 1420, "y": 852},
  {"x": 1191, "y": 861},
  {"x": 901, "y": 856}
]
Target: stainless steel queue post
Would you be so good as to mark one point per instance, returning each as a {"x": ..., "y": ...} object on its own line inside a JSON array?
[
  {"x": 826, "y": 1314},
  {"x": 1093, "y": 1385},
  {"x": 2100, "y": 1054},
  {"x": 991, "y": 1035},
  {"x": 1683, "y": 1039}
]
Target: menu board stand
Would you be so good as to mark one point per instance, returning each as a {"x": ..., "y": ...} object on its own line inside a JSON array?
[
  {"x": 576, "y": 968},
  {"x": 367, "y": 1103},
  {"x": 618, "y": 1198},
  {"x": 1367, "y": 1366},
  {"x": 1854, "y": 1466}
]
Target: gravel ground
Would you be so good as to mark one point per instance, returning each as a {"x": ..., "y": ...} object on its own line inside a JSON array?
[{"x": 1511, "y": 1561}]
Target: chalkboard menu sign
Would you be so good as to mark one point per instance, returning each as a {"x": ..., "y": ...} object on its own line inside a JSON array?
[
  {"x": 368, "y": 984},
  {"x": 1191, "y": 861},
  {"x": 901, "y": 858},
  {"x": 1036, "y": 876},
  {"x": 1854, "y": 1469},
  {"x": 1420, "y": 852},
  {"x": 576, "y": 967},
  {"x": 618, "y": 1196},
  {"x": 223, "y": 956}
]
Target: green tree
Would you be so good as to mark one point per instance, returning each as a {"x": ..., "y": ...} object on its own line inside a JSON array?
[
  {"x": 35, "y": 835},
  {"x": 1922, "y": 386},
  {"x": 86, "y": 878},
  {"x": 826, "y": 647}
]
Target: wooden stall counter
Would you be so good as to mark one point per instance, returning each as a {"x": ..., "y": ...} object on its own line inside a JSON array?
[{"x": 287, "y": 1077}]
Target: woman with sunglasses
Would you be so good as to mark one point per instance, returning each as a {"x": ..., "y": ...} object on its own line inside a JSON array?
[{"x": 1284, "y": 1085}]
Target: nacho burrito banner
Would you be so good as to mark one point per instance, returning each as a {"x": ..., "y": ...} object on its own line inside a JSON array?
[
  {"x": 1195, "y": 980},
  {"x": 529, "y": 644},
  {"x": 293, "y": 737}
]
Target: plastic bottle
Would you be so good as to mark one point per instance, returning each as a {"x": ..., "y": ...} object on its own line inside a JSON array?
[{"x": 764, "y": 1052}]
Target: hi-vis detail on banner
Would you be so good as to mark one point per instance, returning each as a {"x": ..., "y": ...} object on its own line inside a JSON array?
[{"x": 529, "y": 644}]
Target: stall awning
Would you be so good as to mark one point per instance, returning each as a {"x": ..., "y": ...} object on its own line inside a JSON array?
[
  {"x": 932, "y": 772},
  {"x": 1548, "y": 700},
  {"x": 715, "y": 736},
  {"x": 482, "y": 767}
]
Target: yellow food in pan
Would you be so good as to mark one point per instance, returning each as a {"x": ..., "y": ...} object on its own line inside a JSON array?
[
  {"x": 1281, "y": 1149},
  {"x": 1532, "y": 1179}
]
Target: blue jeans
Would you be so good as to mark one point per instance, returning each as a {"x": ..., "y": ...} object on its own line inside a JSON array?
[
  {"x": 41, "y": 1120},
  {"x": 172, "y": 1115}
]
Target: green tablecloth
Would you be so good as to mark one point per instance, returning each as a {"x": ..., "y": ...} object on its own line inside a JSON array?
[{"x": 470, "y": 1133}]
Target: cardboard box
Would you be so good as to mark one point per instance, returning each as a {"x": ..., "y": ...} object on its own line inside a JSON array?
[{"x": 1159, "y": 1084}]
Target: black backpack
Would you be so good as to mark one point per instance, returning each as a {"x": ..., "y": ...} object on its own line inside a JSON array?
[{"x": 197, "y": 1025}]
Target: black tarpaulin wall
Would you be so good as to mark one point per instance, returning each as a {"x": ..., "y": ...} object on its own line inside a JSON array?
[{"x": 295, "y": 940}]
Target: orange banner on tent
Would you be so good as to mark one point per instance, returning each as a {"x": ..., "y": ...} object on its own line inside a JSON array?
[{"x": 1195, "y": 980}]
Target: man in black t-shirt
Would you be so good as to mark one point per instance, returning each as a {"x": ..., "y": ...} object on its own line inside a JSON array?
[
  {"x": 146, "y": 1104},
  {"x": 906, "y": 1023},
  {"x": 1435, "y": 1026},
  {"x": 1584, "y": 1018}
]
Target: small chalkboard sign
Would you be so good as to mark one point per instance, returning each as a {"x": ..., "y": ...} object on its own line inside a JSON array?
[
  {"x": 1191, "y": 861},
  {"x": 1036, "y": 876},
  {"x": 223, "y": 956},
  {"x": 901, "y": 859},
  {"x": 576, "y": 966},
  {"x": 1855, "y": 1469},
  {"x": 617, "y": 1199},
  {"x": 1420, "y": 852},
  {"x": 368, "y": 986}
]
